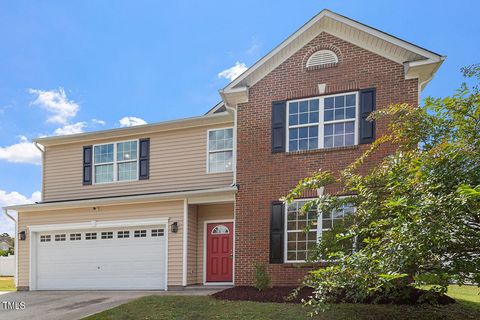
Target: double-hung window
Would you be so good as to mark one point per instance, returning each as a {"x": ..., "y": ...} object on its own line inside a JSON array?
[
  {"x": 116, "y": 161},
  {"x": 324, "y": 122},
  {"x": 304, "y": 230},
  {"x": 220, "y": 150}
]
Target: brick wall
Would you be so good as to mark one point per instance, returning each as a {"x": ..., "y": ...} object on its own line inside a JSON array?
[{"x": 264, "y": 177}]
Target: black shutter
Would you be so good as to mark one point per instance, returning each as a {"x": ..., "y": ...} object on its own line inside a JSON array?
[
  {"x": 144, "y": 159},
  {"x": 279, "y": 119},
  {"x": 367, "y": 105},
  {"x": 87, "y": 165},
  {"x": 276, "y": 232}
]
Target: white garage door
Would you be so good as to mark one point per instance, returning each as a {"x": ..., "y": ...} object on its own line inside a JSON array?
[{"x": 101, "y": 259}]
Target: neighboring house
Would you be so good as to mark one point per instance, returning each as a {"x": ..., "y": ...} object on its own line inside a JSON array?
[
  {"x": 195, "y": 201},
  {"x": 4, "y": 246}
]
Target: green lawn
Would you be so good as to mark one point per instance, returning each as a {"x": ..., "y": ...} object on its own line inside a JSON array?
[
  {"x": 6, "y": 284},
  {"x": 184, "y": 307}
]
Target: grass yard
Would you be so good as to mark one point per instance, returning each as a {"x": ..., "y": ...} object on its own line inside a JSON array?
[
  {"x": 7, "y": 284},
  {"x": 184, "y": 307}
]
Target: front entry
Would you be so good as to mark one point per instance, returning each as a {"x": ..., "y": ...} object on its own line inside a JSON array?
[{"x": 220, "y": 252}]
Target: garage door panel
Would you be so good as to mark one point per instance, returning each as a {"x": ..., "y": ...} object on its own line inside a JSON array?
[{"x": 116, "y": 263}]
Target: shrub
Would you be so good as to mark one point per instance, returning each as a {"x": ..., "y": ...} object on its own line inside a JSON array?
[{"x": 262, "y": 279}]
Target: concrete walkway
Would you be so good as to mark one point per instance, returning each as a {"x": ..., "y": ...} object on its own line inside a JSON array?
[{"x": 66, "y": 305}]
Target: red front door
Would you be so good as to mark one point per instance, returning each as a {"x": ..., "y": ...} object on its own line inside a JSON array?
[{"x": 220, "y": 252}]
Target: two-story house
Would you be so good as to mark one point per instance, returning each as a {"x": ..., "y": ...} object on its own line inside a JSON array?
[{"x": 195, "y": 201}]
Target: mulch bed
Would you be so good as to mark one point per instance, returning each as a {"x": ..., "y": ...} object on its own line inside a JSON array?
[
  {"x": 274, "y": 294},
  {"x": 283, "y": 295}
]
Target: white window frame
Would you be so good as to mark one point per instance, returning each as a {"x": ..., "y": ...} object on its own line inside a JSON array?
[
  {"x": 319, "y": 229},
  {"x": 222, "y": 150},
  {"x": 321, "y": 123},
  {"x": 115, "y": 162}
]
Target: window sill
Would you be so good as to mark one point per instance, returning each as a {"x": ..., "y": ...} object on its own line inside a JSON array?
[
  {"x": 324, "y": 150},
  {"x": 288, "y": 265}
]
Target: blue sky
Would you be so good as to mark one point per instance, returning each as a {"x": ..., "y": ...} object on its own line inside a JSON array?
[{"x": 71, "y": 66}]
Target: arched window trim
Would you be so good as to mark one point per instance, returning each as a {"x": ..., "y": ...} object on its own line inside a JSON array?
[
  {"x": 220, "y": 229},
  {"x": 314, "y": 60}
]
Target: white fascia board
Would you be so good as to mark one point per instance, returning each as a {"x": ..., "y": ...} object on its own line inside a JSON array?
[{"x": 171, "y": 196}]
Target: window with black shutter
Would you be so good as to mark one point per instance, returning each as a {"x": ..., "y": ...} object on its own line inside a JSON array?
[
  {"x": 279, "y": 118},
  {"x": 144, "y": 159},
  {"x": 87, "y": 165},
  {"x": 276, "y": 232},
  {"x": 367, "y": 105}
]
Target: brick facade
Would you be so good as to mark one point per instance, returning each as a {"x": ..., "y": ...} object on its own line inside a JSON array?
[{"x": 264, "y": 176}]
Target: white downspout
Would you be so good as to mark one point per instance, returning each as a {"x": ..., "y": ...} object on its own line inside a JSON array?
[
  {"x": 43, "y": 166},
  {"x": 16, "y": 245},
  {"x": 234, "y": 143}
]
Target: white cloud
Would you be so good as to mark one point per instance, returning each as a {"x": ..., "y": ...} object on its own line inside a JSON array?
[
  {"x": 14, "y": 198},
  {"x": 22, "y": 152},
  {"x": 233, "y": 72},
  {"x": 100, "y": 122},
  {"x": 70, "y": 129},
  {"x": 57, "y": 103},
  {"x": 131, "y": 121}
]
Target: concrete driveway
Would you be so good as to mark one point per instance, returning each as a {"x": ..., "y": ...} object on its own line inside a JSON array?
[{"x": 66, "y": 305}]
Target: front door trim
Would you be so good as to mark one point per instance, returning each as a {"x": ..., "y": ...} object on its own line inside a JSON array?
[{"x": 205, "y": 223}]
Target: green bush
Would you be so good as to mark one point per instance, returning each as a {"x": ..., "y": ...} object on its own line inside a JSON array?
[{"x": 262, "y": 279}]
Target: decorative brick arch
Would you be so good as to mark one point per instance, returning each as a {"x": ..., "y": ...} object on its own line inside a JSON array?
[{"x": 318, "y": 48}]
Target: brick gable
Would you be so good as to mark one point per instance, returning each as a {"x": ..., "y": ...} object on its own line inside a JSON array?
[{"x": 264, "y": 176}]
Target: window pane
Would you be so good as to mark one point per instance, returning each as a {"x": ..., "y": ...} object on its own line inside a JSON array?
[
  {"x": 328, "y": 116},
  {"x": 328, "y": 142},
  {"x": 220, "y": 161},
  {"x": 328, "y": 103},
  {"x": 349, "y": 127},
  {"x": 339, "y": 114},
  {"x": 293, "y": 119},
  {"x": 350, "y": 113},
  {"x": 293, "y": 133},
  {"x": 104, "y": 173},
  {"x": 127, "y": 171},
  {"x": 293, "y": 107},
  {"x": 303, "y": 132},
  {"x": 328, "y": 129},
  {"x": 349, "y": 140},
  {"x": 338, "y": 141},
  {"x": 339, "y": 128},
  {"x": 303, "y": 118},
  {"x": 293, "y": 145},
  {"x": 103, "y": 153},
  {"x": 303, "y": 106},
  {"x": 339, "y": 102},
  {"x": 350, "y": 100},
  {"x": 313, "y": 117},
  {"x": 303, "y": 144},
  {"x": 127, "y": 150},
  {"x": 314, "y": 105}
]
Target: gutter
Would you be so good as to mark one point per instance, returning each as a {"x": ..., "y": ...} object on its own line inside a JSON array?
[{"x": 5, "y": 211}]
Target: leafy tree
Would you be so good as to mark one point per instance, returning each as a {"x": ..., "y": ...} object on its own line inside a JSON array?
[{"x": 417, "y": 219}]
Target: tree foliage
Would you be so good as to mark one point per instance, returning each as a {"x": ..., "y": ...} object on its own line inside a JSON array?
[{"x": 417, "y": 219}]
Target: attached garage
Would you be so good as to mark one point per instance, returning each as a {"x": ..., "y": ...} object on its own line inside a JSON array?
[{"x": 105, "y": 257}]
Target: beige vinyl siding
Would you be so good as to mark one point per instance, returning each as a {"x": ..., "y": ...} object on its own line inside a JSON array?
[
  {"x": 178, "y": 161},
  {"x": 170, "y": 209},
  {"x": 209, "y": 212},
  {"x": 192, "y": 245}
]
